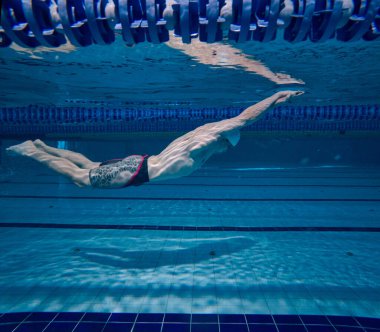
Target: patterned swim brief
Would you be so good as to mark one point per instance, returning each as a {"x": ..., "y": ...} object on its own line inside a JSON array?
[{"x": 120, "y": 173}]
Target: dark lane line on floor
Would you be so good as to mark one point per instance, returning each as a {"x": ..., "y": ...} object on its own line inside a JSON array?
[
  {"x": 214, "y": 185},
  {"x": 191, "y": 228},
  {"x": 281, "y": 176},
  {"x": 194, "y": 199}
]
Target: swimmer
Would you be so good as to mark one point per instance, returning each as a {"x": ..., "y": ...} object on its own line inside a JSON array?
[{"x": 182, "y": 157}]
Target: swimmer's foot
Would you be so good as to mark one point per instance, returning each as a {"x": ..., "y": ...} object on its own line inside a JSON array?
[
  {"x": 39, "y": 144},
  {"x": 23, "y": 149},
  {"x": 287, "y": 79}
]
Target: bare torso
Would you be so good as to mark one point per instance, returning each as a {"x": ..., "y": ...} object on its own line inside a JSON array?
[{"x": 186, "y": 154}]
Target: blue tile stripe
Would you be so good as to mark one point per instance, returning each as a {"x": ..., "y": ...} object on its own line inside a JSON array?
[
  {"x": 214, "y": 184},
  {"x": 39, "y": 120},
  {"x": 195, "y": 199},
  {"x": 133, "y": 322},
  {"x": 191, "y": 228}
]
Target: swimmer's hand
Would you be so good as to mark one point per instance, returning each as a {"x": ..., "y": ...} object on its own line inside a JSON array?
[
  {"x": 281, "y": 78},
  {"x": 283, "y": 96}
]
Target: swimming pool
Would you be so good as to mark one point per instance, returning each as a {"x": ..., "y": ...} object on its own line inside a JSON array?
[{"x": 279, "y": 234}]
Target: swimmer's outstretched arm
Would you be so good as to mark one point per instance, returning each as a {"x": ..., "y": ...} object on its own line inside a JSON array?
[{"x": 252, "y": 113}]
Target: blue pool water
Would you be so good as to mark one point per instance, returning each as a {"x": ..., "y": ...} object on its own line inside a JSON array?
[{"x": 282, "y": 233}]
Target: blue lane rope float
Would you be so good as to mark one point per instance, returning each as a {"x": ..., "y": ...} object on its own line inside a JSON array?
[
  {"x": 99, "y": 26},
  {"x": 243, "y": 21},
  {"x": 374, "y": 30},
  {"x": 51, "y": 23},
  {"x": 38, "y": 17},
  {"x": 210, "y": 29},
  {"x": 129, "y": 14},
  {"x": 186, "y": 25},
  {"x": 5, "y": 41},
  {"x": 325, "y": 19},
  {"x": 42, "y": 120},
  {"x": 360, "y": 21},
  {"x": 15, "y": 26},
  {"x": 301, "y": 21},
  {"x": 157, "y": 32},
  {"x": 267, "y": 16},
  {"x": 74, "y": 22}
]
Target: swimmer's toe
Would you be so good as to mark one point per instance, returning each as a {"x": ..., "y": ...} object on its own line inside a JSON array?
[{"x": 11, "y": 152}]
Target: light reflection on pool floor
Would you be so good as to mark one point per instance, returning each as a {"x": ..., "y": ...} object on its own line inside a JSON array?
[{"x": 174, "y": 271}]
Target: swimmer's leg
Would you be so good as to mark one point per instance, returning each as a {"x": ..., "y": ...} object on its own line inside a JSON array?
[
  {"x": 75, "y": 157},
  {"x": 61, "y": 165}
]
